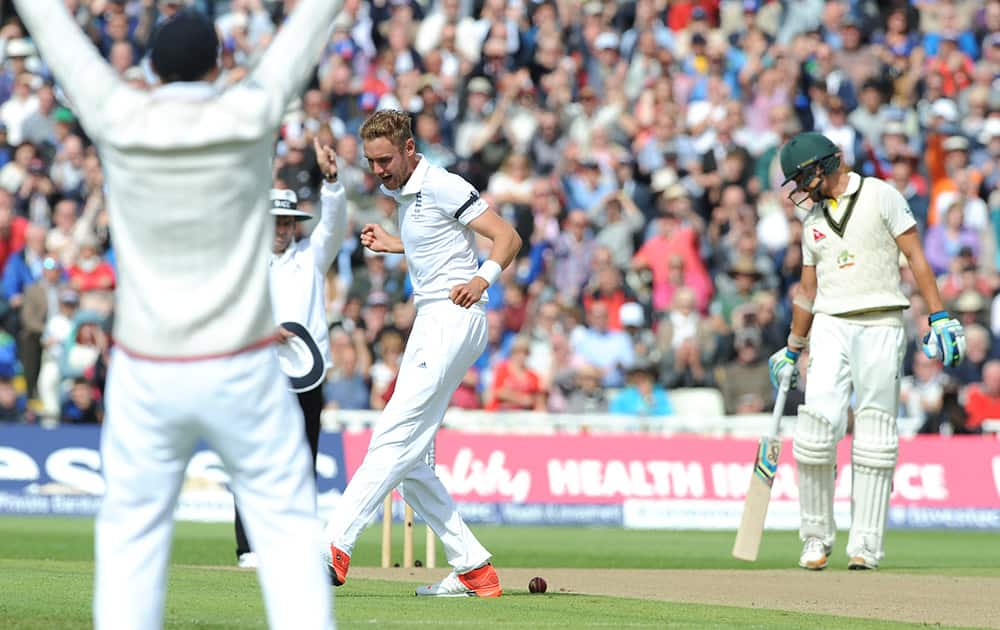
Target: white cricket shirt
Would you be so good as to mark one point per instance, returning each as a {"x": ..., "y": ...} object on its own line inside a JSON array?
[
  {"x": 297, "y": 275},
  {"x": 434, "y": 211},
  {"x": 852, "y": 244}
]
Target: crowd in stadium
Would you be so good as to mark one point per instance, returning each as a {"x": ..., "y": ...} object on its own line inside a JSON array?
[{"x": 632, "y": 144}]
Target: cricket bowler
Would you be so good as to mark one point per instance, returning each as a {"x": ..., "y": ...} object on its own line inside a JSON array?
[{"x": 439, "y": 216}]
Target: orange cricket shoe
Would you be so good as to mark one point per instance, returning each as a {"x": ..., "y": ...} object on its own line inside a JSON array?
[
  {"x": 340, "y": 562},
  {"x": 481, "y": 582}
]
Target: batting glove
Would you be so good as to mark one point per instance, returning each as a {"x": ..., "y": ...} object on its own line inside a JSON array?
[
  {"x": 946, "y": 339},
  {"x": 782, "y": 364}
]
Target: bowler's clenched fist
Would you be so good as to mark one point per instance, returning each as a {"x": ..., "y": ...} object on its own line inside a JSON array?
[{"x": 469, "y": 293}]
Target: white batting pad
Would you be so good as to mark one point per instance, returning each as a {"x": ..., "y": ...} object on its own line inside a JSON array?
[
  {"x": 876, "y": 445},
  {"x": 815, "y": 450}
]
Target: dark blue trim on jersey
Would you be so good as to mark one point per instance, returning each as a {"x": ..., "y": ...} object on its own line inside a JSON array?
[{"x": 473, "y": 198}]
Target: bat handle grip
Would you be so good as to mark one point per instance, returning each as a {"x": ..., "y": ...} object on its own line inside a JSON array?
[{"x": 779, "y": 404}]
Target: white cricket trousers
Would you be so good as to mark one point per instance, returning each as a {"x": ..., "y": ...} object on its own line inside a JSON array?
[
  {"x": 846, "y": 357},
  {"x": 240, "y": 405},
  {"x": 445, "y": 341}
]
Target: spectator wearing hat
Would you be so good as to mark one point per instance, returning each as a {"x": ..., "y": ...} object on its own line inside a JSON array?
[
  {"x": 632, "y": 316},
  {"x": 969, "y": 307},
  {"x": 19, "y": 107},
  {"x": 606, "y": 66},
  {"x": 17, "y": 52},
  {"x": 642, "y": 397},
  {"x": 478, "y": 136}
]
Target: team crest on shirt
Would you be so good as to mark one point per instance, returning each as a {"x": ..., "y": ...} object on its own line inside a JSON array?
[
  {"x": 818, "y": 236},
  {"x": 845, "y": 260}
]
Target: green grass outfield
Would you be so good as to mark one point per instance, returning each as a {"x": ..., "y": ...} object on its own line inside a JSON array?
[{"x": 46, "y": 578}]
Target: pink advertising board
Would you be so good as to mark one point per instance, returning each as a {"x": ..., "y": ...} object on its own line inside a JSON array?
[{"x": 695, "y": 481}]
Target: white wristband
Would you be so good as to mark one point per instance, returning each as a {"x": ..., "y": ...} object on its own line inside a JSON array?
[{"x": 490, "y": 272}]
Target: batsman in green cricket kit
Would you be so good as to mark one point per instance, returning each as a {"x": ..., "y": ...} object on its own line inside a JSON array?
[{"x": 849, "y": 310}]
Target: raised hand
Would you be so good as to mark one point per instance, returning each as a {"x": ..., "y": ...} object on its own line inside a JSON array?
[{"x": 326, "y": 157}]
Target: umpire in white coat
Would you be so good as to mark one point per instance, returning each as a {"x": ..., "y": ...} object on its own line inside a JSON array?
[
  {"x": 188, "y": 167},
  {"x": 297, "y": 279}
]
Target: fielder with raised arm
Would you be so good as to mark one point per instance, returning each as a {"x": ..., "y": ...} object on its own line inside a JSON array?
[
  {"x": 851, "y": 302},
  {"x": 188, "y": 172},
  {"x": 439, "y": 215}
]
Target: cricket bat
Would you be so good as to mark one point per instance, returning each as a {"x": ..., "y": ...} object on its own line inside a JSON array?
[{"x": 765, "y": 466}]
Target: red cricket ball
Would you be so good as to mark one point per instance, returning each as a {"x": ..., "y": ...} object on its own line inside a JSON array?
[{"x": 537, "y": 585}]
